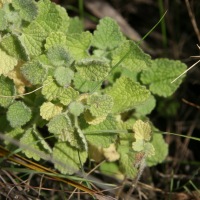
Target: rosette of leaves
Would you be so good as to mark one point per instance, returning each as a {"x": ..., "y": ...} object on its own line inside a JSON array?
[{"x": 80, "y": 86}]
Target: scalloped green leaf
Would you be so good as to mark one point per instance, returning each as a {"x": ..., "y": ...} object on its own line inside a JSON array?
[
  {"x": 99, "y": 105},
  {"x": 92, "y": 69},
  {"x": 68, "y": 159},
  {"x": 7, "y": 63},
  {"x": 12, "y": 18},
  {"x": 135, "y": 60},
  {"x": 102, "y": 134},
  {"x": 50, "y": 17},
  {"x": 13, "y": 47},
  {"x": 83, "y": 85},
  {"x": 161, "y": 150},
  {"x": 127, "y": 94},
  {"x": 59, "y": 56},
  {"x": 52, "y": 91},
  {"x": 142, "y": 130},
  {"x": 32, "y": 138},
  {"x": 107, "y": 35},
  {"x": 18, "y": 114},
  {"x": 48, "y": 110},
  {"x": 29, "y": 70},
  {"x": 78, "y": 44},
  {"x": 146, "y": 107},
  {"x": 76, "y": 108},
  {"x": 63, "y": 76},
  {"x": 27, "y": 9},
  {"x": 32, "y": 38},
  {"x": 68, "y": 95},
  {"x": 126, "y": 164},
  {"x": 61, "y": 127},
  {"x": 55, "y": 39},
  {"x": 7, "y": 88},
  {"x": 160, "y": 75},
  {"x": 75, "y": 25}
]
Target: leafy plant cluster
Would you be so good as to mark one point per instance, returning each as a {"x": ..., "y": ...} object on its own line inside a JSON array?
[{"x": 77, "y": 95}]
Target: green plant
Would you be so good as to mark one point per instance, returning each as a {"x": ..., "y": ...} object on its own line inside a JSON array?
[{"x": 77, "y": 95}]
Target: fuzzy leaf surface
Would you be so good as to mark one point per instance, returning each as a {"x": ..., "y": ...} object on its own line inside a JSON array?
[
  {"x": 135, "y": 61},
  {"x": 63, "y": 76},
  {"x": 50, "y": 17},
  {"x": 29, "y": 70},
  {"x": 146, "y": 107},
  {"x": 33, "y": 139},
  {"x": 67, "y": 159},
  {"x": 13, "y": 47},
  {"x": 127, "y": 161},
  {"x": 7, "y": 63},
  {"x": 12, "y": 18},
  {"x": 3, "y": 20},
  {"x": 7, "y": 88},
  {"x": 149, "y": 150},
  {"x": 58, "y": 56},
  {"x": 76, "y": 108},
  {"x": 142, "y": 130},
  {"x": 92, "y": 69},
  {"x": 75, "y": 25},
  {"x": 32, "y": 38},
  {"x": 78, "y": 44},
  {"x": 107, "y": 36},
  {"x": 161, "y": 150},
  {"x": 160, "y": 75},
  {"x": 48, "y": 110},
  {"x": 127, "y": 94},
  {"x": 61, "y": 127},
  {"x": 18, "y": 114},
  {"x": 55, "y": 39},
  {"x": 138, "y": 145},
  {"x": 83, "y": 85},
  {"x": 99, "y": 105},
  {"x": 102, "y": 134},
  {"x": 92, "y": 120},
  {"x": 68, "y": 95},
  {"x": 27, "y": 9},
  {"x": 52, "y": 91}
]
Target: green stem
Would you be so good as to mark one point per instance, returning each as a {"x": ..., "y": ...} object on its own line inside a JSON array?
[{"x": 163, "y": 25}]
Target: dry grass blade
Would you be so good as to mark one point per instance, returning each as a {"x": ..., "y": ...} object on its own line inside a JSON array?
[
  {"x": 186, "y": 71},
  {"x": 39, "y": 168}
]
